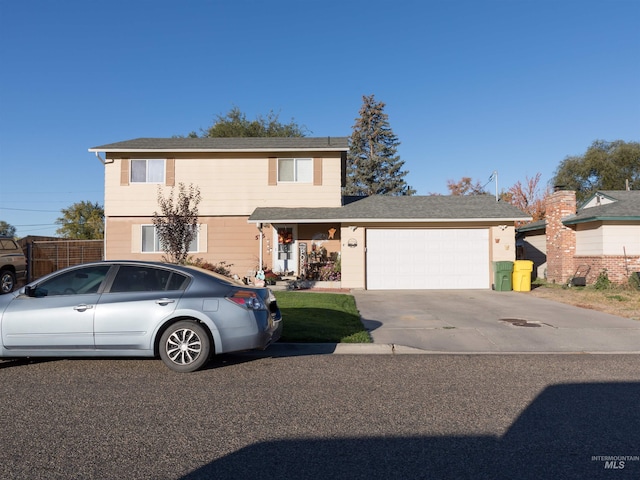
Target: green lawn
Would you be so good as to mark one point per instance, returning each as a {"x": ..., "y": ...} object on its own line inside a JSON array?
[{"x": 320, "y": 317}]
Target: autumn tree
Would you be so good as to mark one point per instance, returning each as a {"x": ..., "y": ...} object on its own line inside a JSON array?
[
  {"x": 236, "y": 124},
  {"x": 373, "y": 165},
  {"x": 465, "y": 187},
  {"x": 528, "y": 197},
  {"x": 82, "y": 221},
  {"x": 604, "y": 166},
  {"x": 177, "y": 223}
]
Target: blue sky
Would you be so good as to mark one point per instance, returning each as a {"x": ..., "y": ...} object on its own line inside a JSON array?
[{"x": 470, "y": 86}]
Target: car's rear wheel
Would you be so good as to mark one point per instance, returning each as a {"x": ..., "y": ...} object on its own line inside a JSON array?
[
  {"x": 7, "y": 281},
  {"x": 185, "y": 346}
]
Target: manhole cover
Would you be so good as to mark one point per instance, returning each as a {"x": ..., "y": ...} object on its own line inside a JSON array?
[{"x": 520, "y": 322}]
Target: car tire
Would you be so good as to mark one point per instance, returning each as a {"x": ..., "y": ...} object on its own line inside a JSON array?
[
  {"x": 7, "y": 281},
  {"x": 185, "y": 346}
]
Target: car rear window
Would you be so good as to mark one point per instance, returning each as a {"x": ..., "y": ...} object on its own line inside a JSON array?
[{"x": 139, "y": 278}]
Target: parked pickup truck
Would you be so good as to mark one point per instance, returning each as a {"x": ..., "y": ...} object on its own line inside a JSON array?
[{"x": 13, "y": 265}]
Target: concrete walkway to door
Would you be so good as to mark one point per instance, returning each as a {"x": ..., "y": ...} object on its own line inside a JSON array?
[{"x": 487, "y": 321}]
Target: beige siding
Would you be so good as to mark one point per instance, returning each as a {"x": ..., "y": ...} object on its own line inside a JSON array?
[
  {"x": 618, "y": 239},
  {"x": 535, "y": 249},
  {"x": 589, "y": 239},
  {"x": 503, "y": 243},
  {"x": 607, "y": 239},
  {"x": 229, "y": 186},
  {"x": 353, "y": 258},
  {"x": 228, "y": 239}
]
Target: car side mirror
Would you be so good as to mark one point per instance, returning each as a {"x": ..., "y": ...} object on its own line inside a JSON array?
[{"x": 35, "y": 291}]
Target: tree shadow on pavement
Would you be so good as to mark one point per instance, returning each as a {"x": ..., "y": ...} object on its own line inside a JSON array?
[{"x": 570, "y": 431}]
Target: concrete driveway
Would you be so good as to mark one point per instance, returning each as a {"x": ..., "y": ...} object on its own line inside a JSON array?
[{"x": 487, "y": 321}]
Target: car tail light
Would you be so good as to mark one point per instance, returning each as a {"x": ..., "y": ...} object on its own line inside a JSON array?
[{"x": 247, "y": 298}]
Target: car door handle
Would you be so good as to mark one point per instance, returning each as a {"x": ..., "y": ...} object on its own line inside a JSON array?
[
  {"x": 82, "y": 308},
  {"x": 164, "y": 301}
]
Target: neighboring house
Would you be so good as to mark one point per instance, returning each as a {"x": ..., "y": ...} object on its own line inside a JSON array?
[
  {"x": 277, "y": 203},
  {"x": 602, "y": 234}
]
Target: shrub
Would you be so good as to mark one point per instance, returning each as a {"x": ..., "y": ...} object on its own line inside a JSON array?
[
  {"x": 330, "y": 272},
  {"x": 223, "y": 268},
  {"x": 602, "y": 282},
  {"x": 270, "y": 277}
]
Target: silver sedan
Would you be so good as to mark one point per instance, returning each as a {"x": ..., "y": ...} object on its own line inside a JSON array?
[{"x": 125, "y": 308}]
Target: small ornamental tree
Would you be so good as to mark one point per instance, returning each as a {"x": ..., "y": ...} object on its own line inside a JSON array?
[{"x": 177, "y": 223}]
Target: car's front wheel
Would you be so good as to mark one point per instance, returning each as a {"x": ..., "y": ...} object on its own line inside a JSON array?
[
  {"x": 185, "y": 346},
  {"x": 7, "y": 281}
]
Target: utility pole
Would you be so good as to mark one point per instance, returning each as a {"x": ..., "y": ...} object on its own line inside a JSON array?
[{"x": 494, "y": 176}]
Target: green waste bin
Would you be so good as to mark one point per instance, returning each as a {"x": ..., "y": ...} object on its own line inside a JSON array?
[
  {"x": 522, "y": 275},
  {"x": 502, "y": 273}
]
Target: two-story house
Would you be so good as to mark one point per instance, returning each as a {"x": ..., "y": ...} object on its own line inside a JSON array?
[{"x": 277, "y": 203}]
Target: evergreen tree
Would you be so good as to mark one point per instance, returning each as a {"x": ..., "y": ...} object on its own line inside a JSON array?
[{"x": 373, "y": 166}]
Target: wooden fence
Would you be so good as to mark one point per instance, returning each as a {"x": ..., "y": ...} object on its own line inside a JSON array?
[{"x": 46, "y": 256}]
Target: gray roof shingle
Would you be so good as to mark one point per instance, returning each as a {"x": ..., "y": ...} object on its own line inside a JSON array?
[
  {"x": 625, "y": 207},
  {"x": 225, "y": 143},
  {"x": 401, "y": 208}
]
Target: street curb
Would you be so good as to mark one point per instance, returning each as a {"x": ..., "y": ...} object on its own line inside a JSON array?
[{"x": 301, "y": 349}]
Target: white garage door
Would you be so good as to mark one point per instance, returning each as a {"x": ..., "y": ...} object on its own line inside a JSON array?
[{"x": 427, "y": 259}]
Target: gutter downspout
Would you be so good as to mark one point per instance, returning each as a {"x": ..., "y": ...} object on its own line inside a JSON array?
[{"x": 103, "y": 161}]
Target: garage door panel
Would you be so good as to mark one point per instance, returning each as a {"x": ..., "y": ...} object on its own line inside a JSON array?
[{"x": 427, "y": 258}]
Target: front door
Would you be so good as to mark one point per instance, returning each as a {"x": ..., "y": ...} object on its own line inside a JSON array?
[{"x": 286, "y": 258}]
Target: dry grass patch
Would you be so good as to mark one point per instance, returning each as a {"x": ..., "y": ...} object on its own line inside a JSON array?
[{"x": 620, "y": 301}]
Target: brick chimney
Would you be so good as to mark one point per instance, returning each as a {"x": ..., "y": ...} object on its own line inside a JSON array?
[{"x": 561, "y": 240}]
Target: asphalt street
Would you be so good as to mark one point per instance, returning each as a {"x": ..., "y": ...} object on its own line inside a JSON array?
[{"x": 323, "y": 416}]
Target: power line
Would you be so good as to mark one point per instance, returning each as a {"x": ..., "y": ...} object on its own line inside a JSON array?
[{"x": 29, "y": 210}]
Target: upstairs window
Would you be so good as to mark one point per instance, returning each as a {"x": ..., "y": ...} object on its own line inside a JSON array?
[
  {"x": 147, "y": 171},
  {"x": 299, "y": 170}
]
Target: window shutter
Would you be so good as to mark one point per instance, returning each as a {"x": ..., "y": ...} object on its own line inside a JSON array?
[
  {"x": 124, "y": 171},
  {"x": 317, "y": 171},
  {"x": 171, "y": 172},
  {"x": 136, "y": 238},
  {"x": 273, "y": 171},
  {"x": 202, "y": 238}
]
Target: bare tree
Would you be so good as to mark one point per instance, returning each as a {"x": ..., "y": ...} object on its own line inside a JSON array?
[{"x": 177, "y": 223}]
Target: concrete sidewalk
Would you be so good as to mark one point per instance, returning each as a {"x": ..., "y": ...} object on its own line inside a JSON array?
[{"x": 486, "y": 321}]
